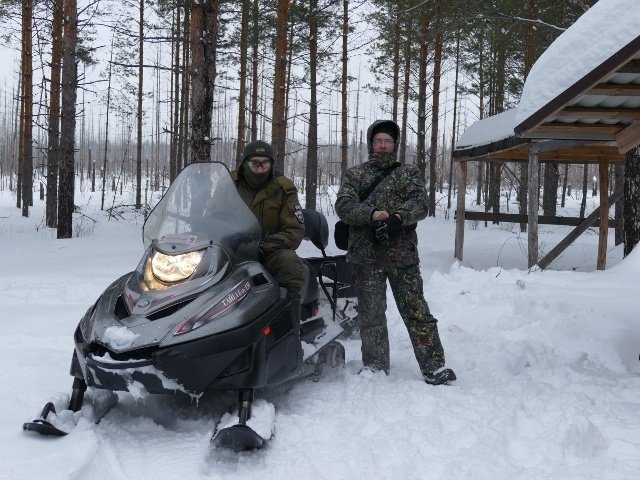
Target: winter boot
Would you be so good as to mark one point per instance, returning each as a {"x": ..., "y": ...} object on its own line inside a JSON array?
[
  {"x": 294, "y": 312},
  {"x": 372, "y": 369},
  {"x": 443, "y": 375}
]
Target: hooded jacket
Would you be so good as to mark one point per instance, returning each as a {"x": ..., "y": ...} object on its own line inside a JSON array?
[
  {"x": 402, "y": 191},
  {"x": 275, "y": 204}
]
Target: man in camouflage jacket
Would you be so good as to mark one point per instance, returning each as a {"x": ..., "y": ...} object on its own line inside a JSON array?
[
  {"x": 383, "y": 245},
  {"x": 274, "y": 201}
]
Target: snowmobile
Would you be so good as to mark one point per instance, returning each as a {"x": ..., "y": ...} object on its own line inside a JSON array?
[{"x": 201, "y": 314}]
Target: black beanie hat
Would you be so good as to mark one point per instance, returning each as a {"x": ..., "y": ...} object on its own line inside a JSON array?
[
  {"x": 387, "y": 127},
  {"x": 383, "y": 126},
  {"x": 257, "y": 148}
]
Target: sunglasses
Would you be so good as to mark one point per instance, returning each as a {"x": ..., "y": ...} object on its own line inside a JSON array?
[
  {"x": 386, "y": 142},
  {"x": 260, "y": 163}
]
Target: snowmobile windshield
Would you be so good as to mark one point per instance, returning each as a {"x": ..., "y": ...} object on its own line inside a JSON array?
[{"x": 203, "y": 201}]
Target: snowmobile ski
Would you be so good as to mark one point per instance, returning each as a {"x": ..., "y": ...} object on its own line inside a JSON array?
[
  {"x": 42, "y": 426},
  {"x": 52, "y": 423},
  {"x": 238, "y": 438}
]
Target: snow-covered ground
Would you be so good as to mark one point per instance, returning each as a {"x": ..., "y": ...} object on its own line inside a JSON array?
[{"x": 547, "y": 363}]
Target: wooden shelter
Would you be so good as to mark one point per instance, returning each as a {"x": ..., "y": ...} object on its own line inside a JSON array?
[{"x": 594, "y": 119}]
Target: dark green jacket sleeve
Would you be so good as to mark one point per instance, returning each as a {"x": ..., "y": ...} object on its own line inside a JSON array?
[{"x": 290, "y": 231}]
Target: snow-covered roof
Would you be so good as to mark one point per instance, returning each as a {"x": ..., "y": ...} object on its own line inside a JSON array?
[
  {"x": 604, "y": 30},
  {"x": 585, "y": 86},
  {"x": 488, "y": 130}
]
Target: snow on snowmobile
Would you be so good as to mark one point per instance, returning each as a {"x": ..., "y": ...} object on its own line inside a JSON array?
[{"x": 200, "y": 313}]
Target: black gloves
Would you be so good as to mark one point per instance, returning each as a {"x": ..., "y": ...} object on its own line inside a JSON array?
[
  {"x": 384, "y": 231},
  {"x": 394, "y": 229},
  {"x": 378, "y": 232}
]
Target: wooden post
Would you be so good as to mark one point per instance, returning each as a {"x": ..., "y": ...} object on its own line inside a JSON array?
[
  {"x": 604, "y": 213},
  {"x": 462, "y": 190},
  {"x": 532, "y": 206}
]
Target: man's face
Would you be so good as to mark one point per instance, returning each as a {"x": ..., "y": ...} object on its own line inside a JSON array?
[
  {"x": 260, "y": 164},
  {"x": 383, "y": 143}
]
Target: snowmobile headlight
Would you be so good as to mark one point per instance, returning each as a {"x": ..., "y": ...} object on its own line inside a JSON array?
[{"x": 175, "y": 268}]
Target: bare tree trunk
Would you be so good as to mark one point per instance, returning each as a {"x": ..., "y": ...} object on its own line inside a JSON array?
[
  {"x": 481, "y": 79},
  {"x": 106, "y": 132},
  {"x": 528, "y": 63},
  {"x": 550, "y": 191},
  {"x": 396, "y": 60},
  {"x": 619, "y": 206},
  {"x": 68, "y": 121},
  {"x": 242, "y": 95},
  {"x": 183, "y": 123},
  {"x": 92, "y": 168},
  {"x": 496, "y": 175},
  {"x": 173, "y": 153},
  {"x": 17, "y": 132},
  {"x": 479, "y": 183},
  {"x": 402, "y": 152},
  {"x": 435, "y": 112},
  {"x": 289, "y": 70},
  {"x": 422, "y": 96},
  {"x": 279, "y": 118},
  {"x": 54, "y": 116},
  {"x": 585, "y": 186},
  {"x": 455, "y": 116},
  {"x": 564, "y": 184},
  {"x": 140, "y": 81},
  {"x": 27, "y": 109},
  {"x": 255, "y": 85},
  {"x": 631, "y": 200},
  {"x": 311, "y": 185},
  {"x": 204, "y": 33},
  {"x": 344, "y": 147}
]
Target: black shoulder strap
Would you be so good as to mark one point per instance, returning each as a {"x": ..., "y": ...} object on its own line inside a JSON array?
[{"x": 365, "y": 194}]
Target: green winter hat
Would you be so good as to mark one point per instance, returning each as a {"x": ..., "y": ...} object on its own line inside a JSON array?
[{"x": 257, "y": 148}]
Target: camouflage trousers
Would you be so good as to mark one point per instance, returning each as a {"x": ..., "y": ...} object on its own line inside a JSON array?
[
  {"x": 286, "y": 268},
  {"x": 406, "y": 285}
]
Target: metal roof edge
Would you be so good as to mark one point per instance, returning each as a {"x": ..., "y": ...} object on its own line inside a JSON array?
[
  {"x": 616, "y": 60},
  {"x": 481, "y": 150}
]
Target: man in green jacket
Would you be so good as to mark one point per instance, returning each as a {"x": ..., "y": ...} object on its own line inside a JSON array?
[
  {"x": 383, "y": 245},
  {"x": 274, "y": 201}
]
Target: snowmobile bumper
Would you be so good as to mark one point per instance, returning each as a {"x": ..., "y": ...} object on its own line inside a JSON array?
[{"x": 222, "y": 361}]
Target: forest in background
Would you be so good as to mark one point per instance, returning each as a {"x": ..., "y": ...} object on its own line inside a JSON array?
[{"x": 119, "y": 92}]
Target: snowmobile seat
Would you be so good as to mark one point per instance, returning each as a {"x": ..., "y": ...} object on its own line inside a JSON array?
[{"x": 316, "y": 228}]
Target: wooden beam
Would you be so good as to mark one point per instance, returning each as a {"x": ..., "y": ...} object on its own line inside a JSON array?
[
  {"x": 532, "y": 209},
  {"x": 632, "y": 66},
  {"x": 576, "y": 131},
  {"x": 462, "y": 192},
  {"x": 591, "y": 152},
  {"x": 629, "y": 137},
  {"x": 576, "y": 232},
  {"x": 604, "y": 214},
  {"x": 615, "y": 90},
  {"x": 599, "y": 113},
  {"x": 470, "y": 215},
  {"x": 553, "y": 145}
]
